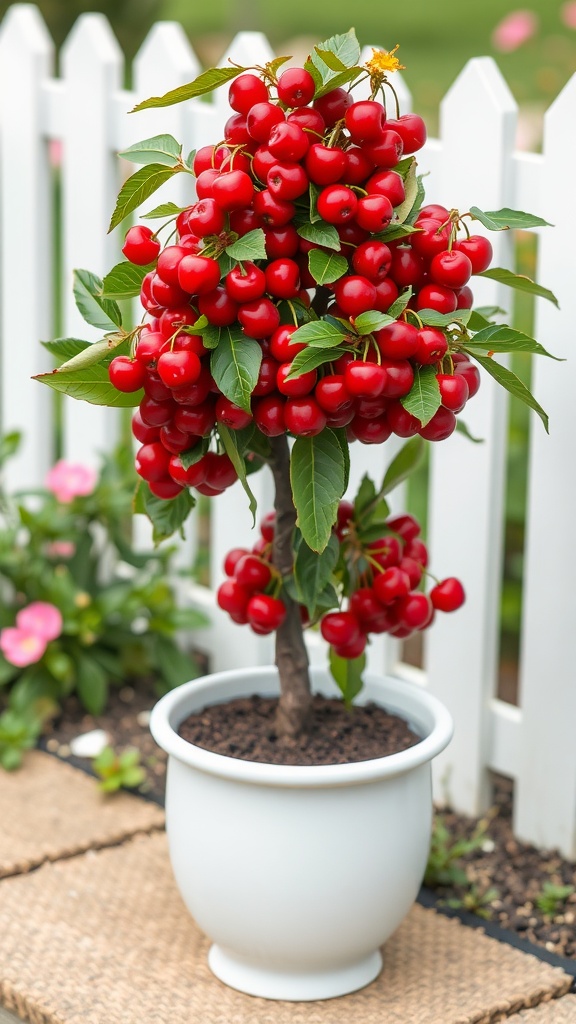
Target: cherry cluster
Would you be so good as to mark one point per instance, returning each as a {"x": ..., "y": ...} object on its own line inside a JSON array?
[
  {"x": 281, "y": 156},
  {"x": 385, "y": 577},
  {"x": 381, "y": 580},
  {"x": 246, "y": 594}
]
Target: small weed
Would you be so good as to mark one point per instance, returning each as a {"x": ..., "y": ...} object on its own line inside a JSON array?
[
  {"x": 20, "y": 728},
  {"x": 116, "y": 770},
  {"x": 445, "y": 853},
  {"x": 552, "y": 898},
  {"x": 474, "y": 901}
]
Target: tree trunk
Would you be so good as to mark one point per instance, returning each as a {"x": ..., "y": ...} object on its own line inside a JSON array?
[{"x": 294, "y": 710}]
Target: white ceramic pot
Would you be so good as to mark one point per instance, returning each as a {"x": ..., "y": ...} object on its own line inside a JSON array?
[{"x": 298, "y": 874}]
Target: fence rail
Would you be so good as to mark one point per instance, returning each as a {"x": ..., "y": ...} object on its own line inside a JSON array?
[{"x": 83, "y": 114}]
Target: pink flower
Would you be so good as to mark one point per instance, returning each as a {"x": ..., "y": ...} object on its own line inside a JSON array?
[
  {"x": 40, "y": 619},
  {"x": 69, "y": 480},
  {"x": 514, "y": 30},
  {"x": 21, "y": 648},
  {"x": 568, "y": 14},
  {"x": 61, "y": 549}
]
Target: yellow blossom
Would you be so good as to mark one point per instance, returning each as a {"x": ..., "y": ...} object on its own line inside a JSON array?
[{"x": 382, "y": 61}]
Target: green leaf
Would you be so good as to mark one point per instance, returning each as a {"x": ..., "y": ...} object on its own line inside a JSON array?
[
  {"x": 9, "y": 445},
  {"x": 161, "y": 149},
  {"x": 311, "y": 359},
  {"x": 502, "y": 220},
  {"x": 95, "y": 353},
  {"x": 330, "y": 59},
  {"x": 64, "y": 349},
  {"x": 365, "y": 496},
  {"x": 317, "y": 476},
  {"x": 142, "y": 184},
  {"x": 273, "y": 65},
  {"x": 93, "y": 307},
  {"x": 226, "y": 263},
  {"x": 196, "y": 328},
  {"x": 418, "y": 201},
  {"x": 326, "y": 267},
  {"x": 432, "y": 318},
  {"x": 344, "y": 46},
  {"x": 251, "y": 246},
  {"x": 337, "y": 81},
  {"x": 235, "y": 365},
  {"x": 312, "y": 571},
  {"x": 411, "y": 189},
  {"x": 211, "y": 336},
  {"x": 319, "y": 334},
  {"x": 520, "y": 282},
  {"x": 193, "y": 455},
  {"x": 174, "y": 665},
  {"x": 372, "y": 320},
  {"x": 461, "y": 428},
  {"x": 124, "y": 281},
  {"x": 501, "y": 338},
  {"x": 423, "y": 399},
  {"x": 396, "y": 231},
  {"x": 512, "y": 383},
  {"x": 90, "y": 384},
  {"x": 164, "y": 210},
  {"x": 320, "y": 233},
  {"x": 166, "y": 516},
  {"x": 408, "y": 459},
  {"x": 91, "y": 684},
  {"x": 347, "y": 673},
  {"x": 314, "y": 192},
  {"x": 206, "y": 82},
  {"x": 235, "y": 454},
  {"x": 342, "y": 438},
  {"x": 482, "y": 317},
  {"x": 398, "y": 307}
]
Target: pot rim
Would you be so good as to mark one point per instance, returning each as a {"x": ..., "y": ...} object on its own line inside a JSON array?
[{"x": 410, "y": 700}]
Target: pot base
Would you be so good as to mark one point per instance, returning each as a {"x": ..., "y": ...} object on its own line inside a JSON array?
[{"x": 295, "y": 987}]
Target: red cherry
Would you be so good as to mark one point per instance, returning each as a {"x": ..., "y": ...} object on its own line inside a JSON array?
[
  {"x": 233, "y": 598},
  {"x": 142, "y": 431},
  {"x": 386, "y": 151},
  {"x": 232, "y": 558},
  {"x": 438, "y": 297},
  {"x": 374, "y": 212},
  {"x": 259, "y": 319},
  {"x": 152, "y": 461},
  {"x": 287, "y": 141},
  {"x": 453, "y": 391},
  {"x": 442, "y": 424},
  {"x": 233, "y": 190},
  {"x": 245, "y": 91},
  {"x": 269, "y": 415},
  {"x": 448, "y": 595},
  {"x": 178, "y": 368},
  {"x": 218, "y": 306},
  {"x": 355, "y": 294},
  {"x": 391, "y": 584},
  {"x": 261, "y": 119},
  {"x": 415, "y": 610},
  {"x": 283, "y": 278},
  {"x": 389, "y": 184},
  {"x": 252, "y": 573},
  {"x": 165, "y": 488},
  {"x": 325, "y": 165},
  {"x": 471, "y": 373},
  {"x": 198, "y": 274},
  {"x": 478, "y": 250},
  {"x": 265, "y": 613},
  {"x": 337, "y": 204},
  {"x": 398, "y": 340},
  {"x": 405, "y": 525},
  {"x": 140, "y": 245},
  {"x": 452, "y": 269},
  {"x": 364, "y": 380},
  {"x": 298, "y": 386},
  {"x": 287, "y": 180},
  {"x": 125, "y": 374},
  {"x": 303, "y": 417},
  {"x": 231, "y": 415},
  {"x": 412, "y": 131},
  {"x": 245, "y": 283},
  {"x": 333, "y": 105},
  {"x": 432, "y": 346},
  {"x": 364, "y": 120},
  {"x": 296, "y": 87},
  {"x": 372, "y": 259},
  {"x": 205, "y": 218},
  {"x": 340, "y": 628}
]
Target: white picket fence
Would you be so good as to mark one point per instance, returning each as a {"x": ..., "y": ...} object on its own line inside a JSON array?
[{"x": 473, "y": 162}]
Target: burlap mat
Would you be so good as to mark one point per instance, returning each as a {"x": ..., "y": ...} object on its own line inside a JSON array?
[
  {"x": 49, "y": 810},
  {"x": 558, "y": 1011},
  {"x": 104, "y": 939}
]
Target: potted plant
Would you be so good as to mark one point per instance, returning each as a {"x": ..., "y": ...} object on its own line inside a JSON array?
[{"x": 308, "y": 294}]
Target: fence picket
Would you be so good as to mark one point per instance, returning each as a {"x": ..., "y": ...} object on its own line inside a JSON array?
[
  {"x": 466, "y": 519},
  {"x": 546, "y": 783},
  {"x": 91, "y": 73},
  {"x": 86, "y": 112},
  {"x": 26, "y": 302}
]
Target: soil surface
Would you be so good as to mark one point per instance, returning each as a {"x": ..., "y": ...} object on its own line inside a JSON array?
[
  {"x": 517, "y": 871},
  {"x": 244, "y": 728}
]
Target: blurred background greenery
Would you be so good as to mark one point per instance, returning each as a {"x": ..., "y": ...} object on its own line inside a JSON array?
[{"x": 436, "y": 39}]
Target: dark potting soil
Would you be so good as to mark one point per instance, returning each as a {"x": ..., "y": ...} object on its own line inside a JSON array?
[
  {"x": 244, "y": 728},
  {"x": 517, "y": 871}
]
